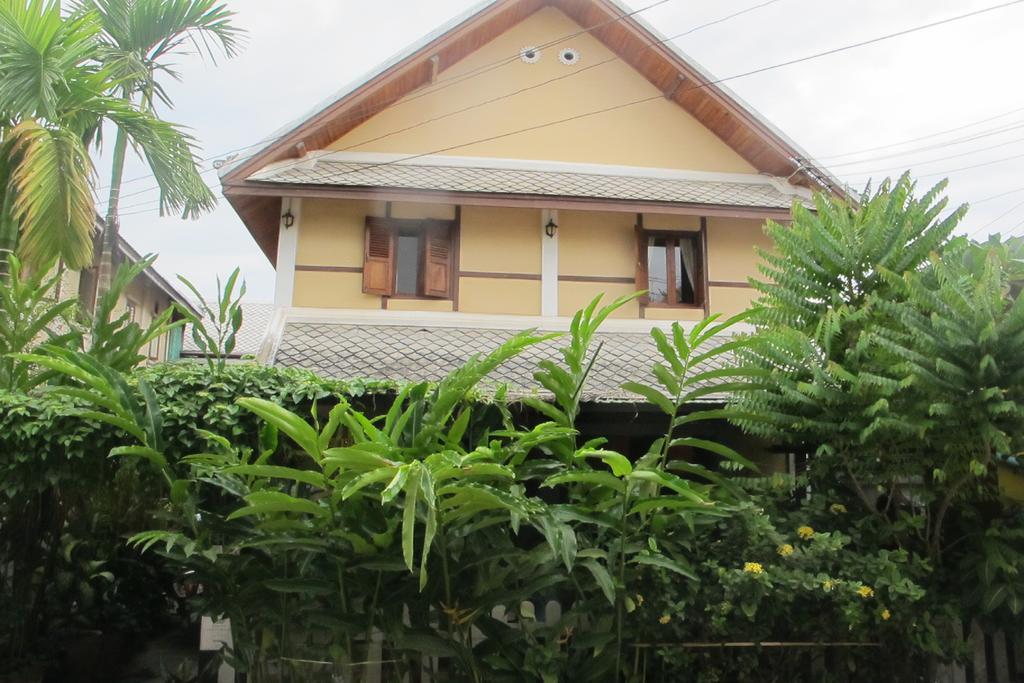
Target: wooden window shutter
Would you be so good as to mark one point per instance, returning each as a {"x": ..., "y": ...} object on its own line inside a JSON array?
[
  {"x": 642, "y": 281},
  {"x": 378, "y": 259},
  {"x": 437, "y": 259}
]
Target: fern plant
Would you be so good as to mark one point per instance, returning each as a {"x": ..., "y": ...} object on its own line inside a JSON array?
[{"x": 830, "y": 388}]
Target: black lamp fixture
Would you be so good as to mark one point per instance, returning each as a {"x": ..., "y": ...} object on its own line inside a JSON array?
[
  {"x": 288, "y": 218},
  {"x": 550, "y": 228}
]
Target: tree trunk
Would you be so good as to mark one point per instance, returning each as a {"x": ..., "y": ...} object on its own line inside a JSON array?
[
  {"x": 8, "y": 233},
  {"x": 112, "y": 222}
]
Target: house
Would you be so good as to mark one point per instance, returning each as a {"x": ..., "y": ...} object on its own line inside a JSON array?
[
  {"x": 146, "y": 297},
  {"x": 498, "y": 175}
]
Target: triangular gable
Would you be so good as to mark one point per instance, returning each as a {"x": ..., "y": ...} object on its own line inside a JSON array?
[
  {"x": 670, "y": 72},
  {"x": 479, "y": 101}
]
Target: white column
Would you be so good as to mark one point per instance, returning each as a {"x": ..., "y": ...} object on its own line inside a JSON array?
[
  {"x": 548, "y": 265},
  {"x": 287, "y": 245}
]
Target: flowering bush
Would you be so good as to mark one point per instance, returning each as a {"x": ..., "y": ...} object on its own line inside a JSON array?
[{"x": 776, "y": 571}]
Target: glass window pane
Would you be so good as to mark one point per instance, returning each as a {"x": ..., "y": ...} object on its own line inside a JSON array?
[
  {"x": 685, "y": 257},
  {"x": 657, "y": 270},
  {"x": 407, "y": 265}
]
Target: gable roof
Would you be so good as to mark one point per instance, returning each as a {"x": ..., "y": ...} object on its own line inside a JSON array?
[{"x": 638, "y": 44}]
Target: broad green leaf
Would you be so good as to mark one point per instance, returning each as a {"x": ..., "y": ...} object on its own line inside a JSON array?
[
  {"x": 276, "y": 472},
  {"x": 653, "y": 396},
  {"x": 618, "y": 463},
  {"x": 286, "y": 421},
  {"x": 596, "y": 477},
  {"x": 145, "y": 452},
  {"x": 665, "y": 563},
  {"x": 602, "y": 577},
  {"x": 265, "y": 502},
  {"x": 715, "y": 447}
]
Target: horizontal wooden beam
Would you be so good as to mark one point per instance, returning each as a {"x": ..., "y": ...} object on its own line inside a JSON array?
[
  {"x": 499, "y": 276},
  {"x": 727, "y": 283},
  {"x": 329, "y": 269},
  {"x": 597, "y": 278}
]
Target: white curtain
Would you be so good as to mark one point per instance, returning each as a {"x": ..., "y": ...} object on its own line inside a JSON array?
[{"x": 686, "y": 248}]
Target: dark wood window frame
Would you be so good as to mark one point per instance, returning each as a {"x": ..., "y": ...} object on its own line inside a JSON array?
[
  {"x": 438, "y": 253},
  {"x": 700, "y": 280}
]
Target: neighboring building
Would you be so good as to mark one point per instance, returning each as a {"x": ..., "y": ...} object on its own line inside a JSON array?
[
  {"x": 460, "y": 192},
  {"x": 144, "y": 299},
  {"x": 255, "y": 320}
]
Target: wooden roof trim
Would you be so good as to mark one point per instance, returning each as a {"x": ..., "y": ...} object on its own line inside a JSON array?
[
  {"x": 644, "y": 54},
  {"x": 418, "y": 68}
]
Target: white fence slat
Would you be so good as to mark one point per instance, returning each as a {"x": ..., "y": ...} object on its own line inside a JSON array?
[
  {"x": 980, "y": 662},
  {"x": 1001, "y": 663}
]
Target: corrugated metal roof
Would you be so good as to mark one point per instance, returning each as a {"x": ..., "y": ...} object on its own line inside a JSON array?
[
  {"x": 415, "y": 353},
  {"x": 520, "y": 177}
]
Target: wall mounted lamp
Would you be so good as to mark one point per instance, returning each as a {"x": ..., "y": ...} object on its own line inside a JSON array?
[
  {"x": 288, "y": 218},
  {"x": 550, "y": 228}
]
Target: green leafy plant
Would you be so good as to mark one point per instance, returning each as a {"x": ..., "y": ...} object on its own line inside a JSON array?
[
  {"x": 116, "y": 341},
  {"x": 216, "y": 339},
  {"x": 30, "y": 315}
]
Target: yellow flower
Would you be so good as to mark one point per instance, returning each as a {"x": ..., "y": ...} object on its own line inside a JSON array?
[
  {"x": 639, "y": 600},
  {"x": 837, "y": 508},
  {"x": 805, "y": 532},
  {"x": 785, "y": 550},
  {"x": 828, "y": 585},
  {"x": 866, "y": 592},
  {"x": 886, "y": 614},
  {"x": 664, "y": 619},
  {"x": 753, "y": 568}
]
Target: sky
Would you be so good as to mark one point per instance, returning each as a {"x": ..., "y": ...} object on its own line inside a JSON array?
[{"x": 964, "y": 75}]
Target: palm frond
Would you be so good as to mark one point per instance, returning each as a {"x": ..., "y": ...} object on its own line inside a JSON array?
[{"x": 53, "y": 203}]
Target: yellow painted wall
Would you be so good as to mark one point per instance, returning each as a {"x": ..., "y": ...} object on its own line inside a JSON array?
[
  {"x": 331, "y": 232},
  {"x": 146, "y": 298},
  {"x": 440, "y": 305},
  {"x": 657, "y": 133},
  {"x": 573, "y": 296},
  {"x": 731, "y": 243},
  {"x": 494, "y": 295},
  {"x": 596, "y": 243},
  {"x": 500, "y": 240},
  {"x": 509, "y": 240},
  {"x": 332, "y": 290}
]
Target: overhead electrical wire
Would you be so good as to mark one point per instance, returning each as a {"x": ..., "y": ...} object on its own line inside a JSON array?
[
  {"x": 516, "y": 92},
  {"x": 441, "y": 84},
  {"x": 659, "y": 96},
  {"x": 995, "y": 220},
  {"x": 923, "y": 137}
]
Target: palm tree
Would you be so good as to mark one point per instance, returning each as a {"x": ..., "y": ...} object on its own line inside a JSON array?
[
  {"x": 54, "y": 97},
  {"x": 138, "y": 36}
]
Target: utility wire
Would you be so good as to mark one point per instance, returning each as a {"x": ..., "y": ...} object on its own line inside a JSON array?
[
  {"x": 699, "y": 86},
  {"x": 492, "y": 100},
  {"x": 939, "y": 145},
  {"x": 933, "y": 161},
  {"x": 997, "y": 219},
  {"x": 513, "y": 93},
  {"x": 918, "y": 139}
]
